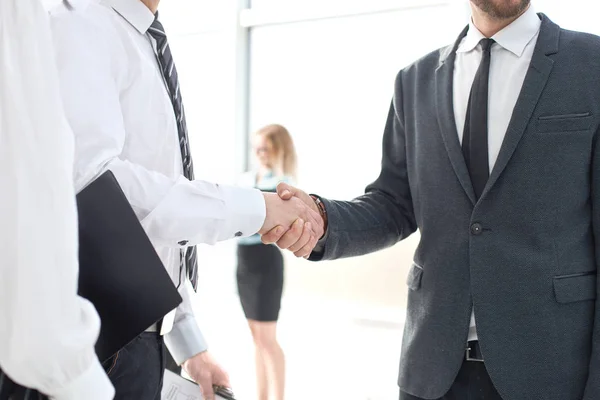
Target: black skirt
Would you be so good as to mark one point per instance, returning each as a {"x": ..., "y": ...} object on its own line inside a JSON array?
[{"x": 260, "y": 281}]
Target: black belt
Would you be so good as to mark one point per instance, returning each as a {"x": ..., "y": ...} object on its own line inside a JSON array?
[{"x": 473, "y": 351}]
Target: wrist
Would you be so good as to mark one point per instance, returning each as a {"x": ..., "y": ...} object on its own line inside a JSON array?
[
  {"x": 191, "y": 363},
  {"x": 268, "y": 197},
  {"x": 197, "y": 356},
  {"x": 322, "y": 211}
]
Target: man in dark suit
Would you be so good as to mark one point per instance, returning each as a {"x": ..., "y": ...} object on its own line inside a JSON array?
[{"x": 492, "y": 151}]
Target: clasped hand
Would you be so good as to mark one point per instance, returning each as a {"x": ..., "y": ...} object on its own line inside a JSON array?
[{"x": 293, "y": 221}]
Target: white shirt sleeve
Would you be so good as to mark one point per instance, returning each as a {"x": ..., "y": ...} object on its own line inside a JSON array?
[
  {"x": 47, "y": 332},
  {"x": 185, "y": 340},
  {"x": 171, "y": 210}
]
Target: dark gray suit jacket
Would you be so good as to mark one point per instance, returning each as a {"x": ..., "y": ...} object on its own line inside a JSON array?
[{"x": 525, "y": 254}]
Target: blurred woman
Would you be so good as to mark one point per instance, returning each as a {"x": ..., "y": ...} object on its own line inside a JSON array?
[{"x": 260, "y": 266}]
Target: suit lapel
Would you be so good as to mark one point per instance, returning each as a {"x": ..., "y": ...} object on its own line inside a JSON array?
[
  {"x": 444, "y": 77},
  {"x": 533, "y": 86}
]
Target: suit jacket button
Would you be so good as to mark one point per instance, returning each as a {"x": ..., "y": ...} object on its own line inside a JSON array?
[
  {"x": 476, "y": 229},
  {"x": 238, "y": 234}
]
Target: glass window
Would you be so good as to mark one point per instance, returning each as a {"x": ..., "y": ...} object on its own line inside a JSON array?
[
  {"x": 189, "y": 17},
  {"x": 204, "y": 55},
  {"x": 572, "y": 16},
  {"x": 331, "y": 81}
]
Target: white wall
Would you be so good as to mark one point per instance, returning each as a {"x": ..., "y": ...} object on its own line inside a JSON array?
[
  {"x": 580, "y": 15},
  {"x": 331, "y": 81},
  {"x": 202, "y": 38}
]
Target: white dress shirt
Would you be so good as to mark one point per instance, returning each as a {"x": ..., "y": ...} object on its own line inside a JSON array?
[
  {"x": 119, "y": 109},
  {"x": 510, "y": 59},
  {"x": 47, "y": 332}
]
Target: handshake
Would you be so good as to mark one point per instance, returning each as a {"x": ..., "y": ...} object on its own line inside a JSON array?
[{"x": 294, "y": 221}]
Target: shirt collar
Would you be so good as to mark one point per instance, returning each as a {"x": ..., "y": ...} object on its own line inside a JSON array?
[
  {"x": 134, "y": 12},
  {"x": 513, "y": 38},
  {"x": 75, "y": 4}
]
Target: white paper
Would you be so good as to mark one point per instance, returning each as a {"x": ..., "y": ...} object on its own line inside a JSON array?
[{"x": 176, "y": 387}]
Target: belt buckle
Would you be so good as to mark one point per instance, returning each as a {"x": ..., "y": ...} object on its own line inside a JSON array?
[{"x": 468, "y": 355}]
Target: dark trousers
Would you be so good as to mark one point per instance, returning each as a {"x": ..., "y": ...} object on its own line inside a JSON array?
[
  {"x": 472, "y": 383},
  {"x": 11, "y": 391},
  {"x": 137, "y": 370}
]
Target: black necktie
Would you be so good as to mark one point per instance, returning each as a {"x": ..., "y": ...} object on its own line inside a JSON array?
[
  {"x": 167, "y": 66},
  {"x": 475, "y": 135}
]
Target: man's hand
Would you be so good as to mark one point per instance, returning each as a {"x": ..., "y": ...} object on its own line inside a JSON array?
[
  {"x": 292, "y": 239},
  {"x": 303, "y": 222},
  {"x": 205, "y": 371}
]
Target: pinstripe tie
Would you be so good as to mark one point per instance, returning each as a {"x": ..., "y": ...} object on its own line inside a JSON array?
[{"x": 167, "y": 66}]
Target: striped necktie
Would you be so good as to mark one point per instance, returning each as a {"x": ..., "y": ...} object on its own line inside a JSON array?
[{"x": 167, "y": 66}]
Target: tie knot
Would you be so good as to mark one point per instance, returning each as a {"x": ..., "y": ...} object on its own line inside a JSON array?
[{"x": 486, "y": 44}]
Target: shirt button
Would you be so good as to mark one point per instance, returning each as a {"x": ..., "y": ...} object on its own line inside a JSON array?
[
  {"x": 183, "y": 243},
  {"x": 476, "y": 229},
  {"x": 238, "y": 234}
]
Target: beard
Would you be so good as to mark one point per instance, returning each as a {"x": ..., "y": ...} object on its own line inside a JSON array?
[{"x": 502, "y": 9}]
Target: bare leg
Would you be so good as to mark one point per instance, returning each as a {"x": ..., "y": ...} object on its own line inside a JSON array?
[
  {"x": 262, "y": 381},
  {"x": 272, "y": 357}
]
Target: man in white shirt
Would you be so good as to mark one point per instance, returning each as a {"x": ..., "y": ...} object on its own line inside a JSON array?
[
  {"x": 47, "y": 332},
  {"x": 492, "y": 151},
  {"x": 123, "y": 101}
]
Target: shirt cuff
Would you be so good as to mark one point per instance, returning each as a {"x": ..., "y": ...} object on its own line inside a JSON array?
[
  {"x": 93, "y": 384},
  {"x": 246, "y": 211},
  {"x": 185, "y": 340}
]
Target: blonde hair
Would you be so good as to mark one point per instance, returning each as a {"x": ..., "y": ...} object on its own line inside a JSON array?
[{"x": 285, "y": 159}]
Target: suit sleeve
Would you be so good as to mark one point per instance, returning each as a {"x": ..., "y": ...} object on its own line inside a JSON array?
[{"x": 384, "y": 214}]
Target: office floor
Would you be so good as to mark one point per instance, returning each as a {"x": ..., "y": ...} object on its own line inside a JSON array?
[{"x": 334, "y": 350}]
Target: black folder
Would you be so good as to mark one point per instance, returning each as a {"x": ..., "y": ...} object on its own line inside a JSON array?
[{"x": 119, "y": 270}]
